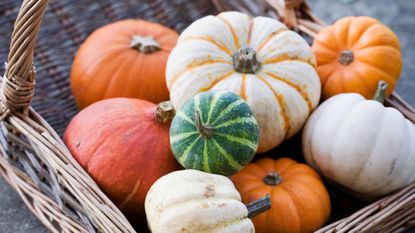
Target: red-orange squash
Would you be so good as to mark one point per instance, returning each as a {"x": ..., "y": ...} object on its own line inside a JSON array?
[
  {"x": 123, "y": 59},
  {"x": 354, "y": 54},
  {"x": 124, "y": 145},
  {"x": 299, "y": 201}
]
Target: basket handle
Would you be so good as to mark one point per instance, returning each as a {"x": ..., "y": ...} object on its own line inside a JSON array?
[{"x": 18, "y": 84}]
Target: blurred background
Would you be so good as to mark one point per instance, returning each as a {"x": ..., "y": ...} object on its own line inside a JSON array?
[{"x": 399, "y": 15}]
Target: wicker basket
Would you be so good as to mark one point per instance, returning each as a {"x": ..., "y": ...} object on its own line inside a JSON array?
[{"x": 34, "y": 160}]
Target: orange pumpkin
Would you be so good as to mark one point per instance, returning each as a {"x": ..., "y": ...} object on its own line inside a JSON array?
[
  {"x": 354, "y": 54},
  {"x": 123, "y": 59},
  {"x": 124, "y": 145},
  {"x": 299, "y": 200}
]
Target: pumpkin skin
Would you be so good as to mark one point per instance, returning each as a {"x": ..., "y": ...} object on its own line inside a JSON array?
[
  {"x": 219, "y": 53},
  {"x": 124, "y": 148},
  {"x": 110, "y": 64},
  {"x": 229, "y": 146},
  {"x": 373, "y": 48},
  {"x": 299, "y": 200},
  {"x": 195, "y": 201},
  {"x": 361, "y": 145}
]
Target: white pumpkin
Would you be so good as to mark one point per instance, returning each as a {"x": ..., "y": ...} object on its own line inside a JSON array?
[
  {"x": 361, "y": 145},
  {"x": 195, "y": 201},
  {"x": 269, "y": 66}
]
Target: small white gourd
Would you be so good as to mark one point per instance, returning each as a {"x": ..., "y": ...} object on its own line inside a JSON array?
[
  {"x": 193, "y": 201},
  {"x": 365, "y": 147}
]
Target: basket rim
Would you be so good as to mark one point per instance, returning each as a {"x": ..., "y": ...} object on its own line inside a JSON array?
[{"x": 18, "y": 119}]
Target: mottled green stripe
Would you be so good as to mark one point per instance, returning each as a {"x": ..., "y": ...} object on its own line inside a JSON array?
[
  {"x": 236, "y": 121},
  {"x": 183, "y": 158},
  {"x": 215, "y": 98},
  {"x": 228, "y": 109},
  {"x": 227, "y": 156},
  {"x": 239, "y": 140},
  {"x": 185, "y": 117},
  {"x": 206, "y": 167},
  {"x": 181, "y": 136}
]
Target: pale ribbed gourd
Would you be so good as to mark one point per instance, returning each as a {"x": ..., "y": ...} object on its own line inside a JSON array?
[
  {"x": 191, "y": 201},
  {"x": 363, "y": 146},
  {"x": 269, "y": 66}
]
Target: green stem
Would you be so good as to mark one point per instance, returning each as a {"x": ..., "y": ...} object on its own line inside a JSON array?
[
  {"x": 259, "y": 206},
  {"x": 245, "y": 61},
  {"x": 205, "y": 130},
  {"x": 381, "y": 91}
]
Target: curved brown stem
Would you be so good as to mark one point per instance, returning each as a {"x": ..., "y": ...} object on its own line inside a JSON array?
[{"x": 165, "y": 112}]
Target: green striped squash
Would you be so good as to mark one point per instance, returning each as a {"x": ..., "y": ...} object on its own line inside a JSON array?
[{"x": 214, "y": 132}]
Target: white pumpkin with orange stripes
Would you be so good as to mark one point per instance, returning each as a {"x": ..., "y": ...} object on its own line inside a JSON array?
[{"x": 269, "y": 66}]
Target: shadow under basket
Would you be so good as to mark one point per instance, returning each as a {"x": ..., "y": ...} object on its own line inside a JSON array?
[{"x": 35, "y": 161}]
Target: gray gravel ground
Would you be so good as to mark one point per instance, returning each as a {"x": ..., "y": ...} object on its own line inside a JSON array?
[{"x": 397, "y": 14}]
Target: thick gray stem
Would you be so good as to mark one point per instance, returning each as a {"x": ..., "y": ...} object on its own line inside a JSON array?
[
  {"x": 259, "y": 206},
  {"x": 381, "y": 91}
]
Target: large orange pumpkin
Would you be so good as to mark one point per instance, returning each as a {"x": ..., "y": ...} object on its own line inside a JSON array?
[
  {"x": 299, "y": 200},
  {"x": 124, "y": 146},
  {"x": 354, "y": 54},
  {"x": 123, "y": 59}
]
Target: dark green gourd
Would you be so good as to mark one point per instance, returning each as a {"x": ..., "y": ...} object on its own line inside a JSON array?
[{"x": 215, "y": 132}]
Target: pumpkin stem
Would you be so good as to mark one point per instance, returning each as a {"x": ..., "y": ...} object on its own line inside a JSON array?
[
  {"x": 205, "y": 130},
  {"x": 272, "y": 179},
  {"x": 165, "y": 112},
  {"x": 144, "y": 44},
  {"x": 245, "y": 61},
  {"x": 259, "y": 206},
  {"x": 380, "y": 91},
  {"x": 346, "y": 57}
]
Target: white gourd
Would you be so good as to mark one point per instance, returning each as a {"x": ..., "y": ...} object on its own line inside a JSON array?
[
  {"x": 269, "y": 66},
  {"x": 190, "y": 201},
  {"x": 365, "y": 147}
]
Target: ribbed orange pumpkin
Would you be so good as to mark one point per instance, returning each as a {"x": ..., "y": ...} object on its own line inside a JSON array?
[
  {"x": 124, "y": 146},
  {"x": 354, "y": 54},
  {"x": 299, "y": 201},
  {"x": 123, "y": 59}
]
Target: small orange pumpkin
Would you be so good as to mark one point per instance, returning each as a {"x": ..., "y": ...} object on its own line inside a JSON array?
[
  {"x": 123, "y": 59},
  {"x": 299, "y": 200},
  {"x": 354, "y": 54}
]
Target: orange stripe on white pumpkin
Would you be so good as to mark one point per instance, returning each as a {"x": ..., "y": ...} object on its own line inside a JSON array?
[
  {"x": 211, "y": 40},
  {"x": 286, "y": 57},
  {"x": 295, "y": 86},
  {"x": 221, "y": 78},
  {"x": 242, "y": 92},
  {"x": 281, "y": 102},
  {"x": 251, "y": 25},
  {"x": 233, "y": 31},
  {"x": 194, "y": 65},
  {"x": 270, "y": 36}
]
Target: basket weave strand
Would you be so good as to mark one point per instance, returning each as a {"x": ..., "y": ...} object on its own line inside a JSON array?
[
  {"x": 25, "y": 127},
  {"x": 35, "y": 161}
]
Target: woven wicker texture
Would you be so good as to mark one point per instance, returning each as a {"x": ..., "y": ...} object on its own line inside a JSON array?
[
  {"x": 66, "y": 24},
  {"x": 36, "y": 162}
]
